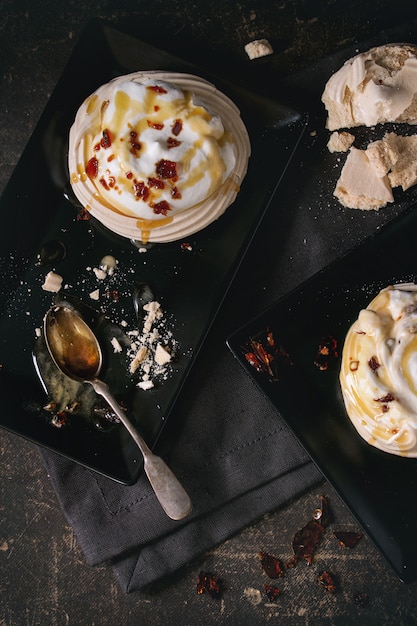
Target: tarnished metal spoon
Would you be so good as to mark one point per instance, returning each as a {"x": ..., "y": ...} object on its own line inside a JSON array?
[{"x": 75, "y": 350}]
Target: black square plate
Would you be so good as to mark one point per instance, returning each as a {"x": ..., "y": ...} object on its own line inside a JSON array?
[
  {"x": 190, "y": 280},
  {"x": 379, "y": 488}
]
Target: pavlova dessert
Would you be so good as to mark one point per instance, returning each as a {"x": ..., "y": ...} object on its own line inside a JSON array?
[
  {"x": 157, "y": 156},
  {"x": 379, "y": 371}
]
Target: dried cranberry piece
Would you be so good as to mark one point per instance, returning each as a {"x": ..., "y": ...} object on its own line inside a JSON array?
[
  {"x": 166, "y": 169},
  {"x": 173, "y": 143},
  {"x": 348, "y": 539},
  {"x": 161, "y": 208},
  {"x": 265, "y": 356},
  {"x": 155, "y": 125},
  {"x": 271, "y": 592},
  {"x": 91, "y": 168},
  {"x": 106, "y": 139},
  {"x": 209, "y": 583},
  {"x": 307, "y": 539},
  {"x": 176, "y": 127},
  {"x": 83, "y": 215},
  {"x": 327, "y": 352},
  {"x": 326, "y": 580},
  {"x": 141, "y": 191},
  {"x": 156, "y": 88},
  {"x": 157, "y": 183},
  {"x": 373, "y": 363},
  {"x": 271, "y": 565}
]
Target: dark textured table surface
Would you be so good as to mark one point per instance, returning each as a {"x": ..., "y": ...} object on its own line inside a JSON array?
[{"x": 44, "y": 578}]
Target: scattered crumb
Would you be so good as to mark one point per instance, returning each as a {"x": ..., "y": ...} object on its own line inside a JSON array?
[
  {"x": 100, "y": 273},
  {"x": 152, "y": 349},
  {"x": 95, "y": 295},
  {"x": 139, "y": 358},
  {"x": 340, "y": 141},
  {"x": 116, "y": 345},
  {"x": 162, "y": 356},
  {"x": 145, "y": 384},
  {"x": 53, "y": 282},
  {"x": 258, "y": 48}
]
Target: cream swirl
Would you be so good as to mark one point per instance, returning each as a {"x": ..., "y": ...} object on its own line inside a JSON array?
[
  {"x": 156, "y": 156},
  {"x": 379, "y": 371}
]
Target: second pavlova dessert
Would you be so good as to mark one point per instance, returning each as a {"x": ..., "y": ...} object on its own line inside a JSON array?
[
  {"x": 157, "y": 156},
  {"x": 379, "y": 371}
]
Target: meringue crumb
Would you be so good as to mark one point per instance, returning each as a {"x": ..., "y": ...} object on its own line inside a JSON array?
[
  {"x": 162, "y": 356},
  {"x": 139, "y": 358},
  {"x": 258, "y": 48},
  {"x": 53, "y": 282},
  {"x": 340, "y": 141},
  {"x": 100, "y": 273},
  {"x": 95, "y": 295},
  {"x": 145, "y": 384},
  {"x": 116, "y": 345}
]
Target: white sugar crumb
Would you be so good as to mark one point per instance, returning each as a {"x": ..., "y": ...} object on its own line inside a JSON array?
[
  {"x": 162, "y": 356},
  {"x": 258, "y": 48},
  {"x": 116, "y": 345},
  {"x": 146, "y": 384},
  {"x": 95, "y": 295},
  {"x": 100, "y": 274},
  {"x": 53, "y": 282}
]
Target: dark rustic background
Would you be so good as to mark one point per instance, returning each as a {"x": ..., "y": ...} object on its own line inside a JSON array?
[{"x": 44, "y": 579}]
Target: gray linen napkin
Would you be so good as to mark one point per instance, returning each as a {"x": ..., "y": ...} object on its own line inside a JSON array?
[{"x": 235, "y": 457}]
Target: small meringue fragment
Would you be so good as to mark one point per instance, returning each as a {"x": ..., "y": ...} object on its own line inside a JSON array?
[
  {"x": 52, "y": 283},
  {"x": 258, "y": 48},
  {"x": 116, "y": 345}
]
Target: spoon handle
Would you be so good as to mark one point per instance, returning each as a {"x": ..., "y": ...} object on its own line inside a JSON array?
[{"x": 171, "y": 494}]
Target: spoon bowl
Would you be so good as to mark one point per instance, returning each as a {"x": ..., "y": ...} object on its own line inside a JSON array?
[{"x": 76, "y": 352}]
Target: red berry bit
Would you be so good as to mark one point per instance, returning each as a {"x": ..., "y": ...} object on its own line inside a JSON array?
[
  {"x": 166, "y": 169},
  {"x": 271, "y": 565},
  {"x": 209, "y": 583},
  {"x": 326, "y": 580},
  {"x": 272, "y": 593},
  {"x": 91, "y": 168}
]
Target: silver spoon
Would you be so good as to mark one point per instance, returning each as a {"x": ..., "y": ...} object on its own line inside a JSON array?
[{"x": 76, "y": 352}]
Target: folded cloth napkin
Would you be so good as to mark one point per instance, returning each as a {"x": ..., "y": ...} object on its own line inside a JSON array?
[{"x": 232, "y": 452}]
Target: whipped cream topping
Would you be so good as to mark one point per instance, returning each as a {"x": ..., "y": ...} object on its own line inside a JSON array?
[
  {"x": 379, "y": 371},
  {"x": 376, "y": 86},
  {"x": 151, "y": 147}
]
